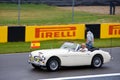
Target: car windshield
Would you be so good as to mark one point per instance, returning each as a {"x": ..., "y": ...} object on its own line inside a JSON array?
[{"x": 69, "y": 46}]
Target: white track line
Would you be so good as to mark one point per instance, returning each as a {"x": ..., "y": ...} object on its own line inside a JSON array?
[{"x": 81, "y": 77}]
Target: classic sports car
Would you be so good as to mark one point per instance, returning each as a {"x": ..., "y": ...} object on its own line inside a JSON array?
[{"x": 68, "y": 55}]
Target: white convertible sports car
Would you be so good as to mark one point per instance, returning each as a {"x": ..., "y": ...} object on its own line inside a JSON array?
[{"x": 68, "y": 55}]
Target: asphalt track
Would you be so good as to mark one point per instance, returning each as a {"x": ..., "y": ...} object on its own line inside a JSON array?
[{"x": 16, "y": 67}]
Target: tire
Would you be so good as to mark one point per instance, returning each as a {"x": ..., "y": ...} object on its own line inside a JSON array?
[
  {"x": 36, "y": 67},
  {"x": 97, "y": 61},
  {"x": 53, "y": 64}
]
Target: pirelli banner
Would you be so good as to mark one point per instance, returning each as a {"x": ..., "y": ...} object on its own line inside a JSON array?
[
  {"x": 51, "y": 32},
  {"x": 73, "y": 31},
  {"x": 12, "y": 33},
  {"x": 111, "y": 30},
  {"x": 3, "y": 34}
]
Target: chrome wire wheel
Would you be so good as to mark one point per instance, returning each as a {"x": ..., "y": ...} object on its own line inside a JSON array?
[
  {"x": 53, "y": 64},
  {"x": 97, "y": 62}
]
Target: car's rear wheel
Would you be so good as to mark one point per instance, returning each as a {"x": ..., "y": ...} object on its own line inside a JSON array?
[
  {"x": 53, "y": 64},
  {"x": 97, "y": 61}
]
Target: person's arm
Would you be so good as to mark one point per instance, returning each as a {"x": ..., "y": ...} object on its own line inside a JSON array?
[
  {"x": 87, "y": 38},
  {"x": 83, "y": 50},
  {"x": 92, "y": 37}
]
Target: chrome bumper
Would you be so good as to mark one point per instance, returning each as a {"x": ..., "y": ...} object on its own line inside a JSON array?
[{"x": 36, "y": 63}]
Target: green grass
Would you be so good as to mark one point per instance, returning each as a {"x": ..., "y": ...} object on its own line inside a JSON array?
[
  {"x": 16, "y": 47},
  {"x": 39, "y": 14}
]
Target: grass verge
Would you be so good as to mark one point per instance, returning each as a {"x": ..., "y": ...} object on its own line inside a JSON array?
[
  {"x": 39, "y": 14},
  {"x": 16, "y": 47}
]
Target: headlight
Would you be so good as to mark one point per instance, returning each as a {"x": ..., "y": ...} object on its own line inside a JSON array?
[{"x": 43, "y": 57}]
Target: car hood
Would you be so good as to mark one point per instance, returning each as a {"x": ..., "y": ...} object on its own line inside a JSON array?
[{"x": 49, "y": 51}]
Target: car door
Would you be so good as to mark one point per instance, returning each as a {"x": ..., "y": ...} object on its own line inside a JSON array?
[{"x": 77, "y": 58}]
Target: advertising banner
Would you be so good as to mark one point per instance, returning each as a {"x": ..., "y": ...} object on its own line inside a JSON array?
[
  {"x": 110, "y": 30},
  {"x": 39, "y": 33},
  {"x": 3, "y": 34}
]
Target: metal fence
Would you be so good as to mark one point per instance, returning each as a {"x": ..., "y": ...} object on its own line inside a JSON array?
[
  {"x": 63, "y": 2},
  {"x": 58, "y": 3}
]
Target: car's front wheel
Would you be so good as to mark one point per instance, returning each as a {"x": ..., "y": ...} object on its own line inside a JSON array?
[
  {"x": 53, "y": 64},
  {"x": 97, "y": 61}
]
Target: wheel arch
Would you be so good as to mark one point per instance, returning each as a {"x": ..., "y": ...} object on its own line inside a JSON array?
[
  {"x": 99, "y": 56},
  {"x": 55, "y": 57}
]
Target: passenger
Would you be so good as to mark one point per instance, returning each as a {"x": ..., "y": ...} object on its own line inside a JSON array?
[{"x": 83, "y": 48}]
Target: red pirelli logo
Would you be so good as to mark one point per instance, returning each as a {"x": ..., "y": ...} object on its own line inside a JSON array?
[
  {"x": 114, "y": 30},
  {"x": 55, "y": 32}
]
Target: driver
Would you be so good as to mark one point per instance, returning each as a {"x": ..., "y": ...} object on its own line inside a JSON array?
[{"x": 83, "y": 48}]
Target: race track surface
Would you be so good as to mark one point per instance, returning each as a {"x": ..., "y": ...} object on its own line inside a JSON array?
[{"x": 16, "y": 67}]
